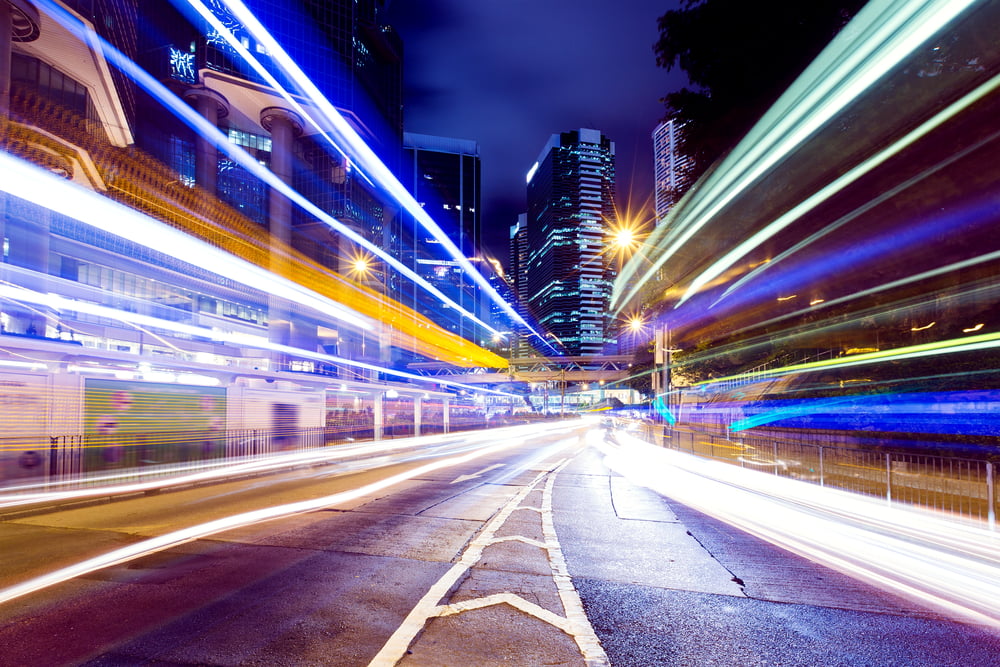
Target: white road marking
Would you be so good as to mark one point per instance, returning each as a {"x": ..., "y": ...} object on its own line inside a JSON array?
[
  {"x": 575, "y": 623},
  {"x": 178, "y": 537},
  {"x": 520, "y": 538},
  {"x": 515, "y": 601},
  {"x": 465, "y": 478},
  {"x": 586, "y": 638}
]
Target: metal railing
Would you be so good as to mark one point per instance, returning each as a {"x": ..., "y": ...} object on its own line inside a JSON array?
[{"x": 961, "y": 486}]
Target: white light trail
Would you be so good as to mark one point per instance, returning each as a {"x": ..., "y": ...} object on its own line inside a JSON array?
[
  {"x": 940, "y": 561},
  {"x": 115, "y": 484},
  {"x": 30, "y": 183},
  {"x": 346, "y": 139},
  {"x": 200, "y": 531},
  {"x": 60, "y": 304}
]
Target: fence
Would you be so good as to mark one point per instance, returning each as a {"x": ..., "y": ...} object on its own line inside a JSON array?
[
  {"x": 965, "y": 487},
  {"x": 90, "y": 460}
]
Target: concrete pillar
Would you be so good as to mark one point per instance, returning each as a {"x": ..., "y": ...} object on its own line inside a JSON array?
[
  {"x": 6, "y": 25},
  {"x": 378, "y": 415},
  {"x": 418, "y": 415},
  {"x": 213, "y": 107},
  {"x": 284, "y": 126},
  {"x": 18, "y": 23},
  {"x": 445, "y": 416}
]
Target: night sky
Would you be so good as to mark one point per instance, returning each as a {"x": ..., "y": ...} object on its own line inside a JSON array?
[{"x": 510, "y": 73}]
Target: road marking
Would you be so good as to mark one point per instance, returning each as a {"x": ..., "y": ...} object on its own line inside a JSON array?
[
  {"x": 192, "y": 533},
  {"x": 465, "y": 478},
  {"x": 575, "y": 623},
  {"x": 520, "y": 538},
  {"x": 586, "y": 638},
  {"x": 515, "y": 601}
]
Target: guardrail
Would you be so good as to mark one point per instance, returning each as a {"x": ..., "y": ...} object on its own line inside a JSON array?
[{"x": 961, "y": 486}]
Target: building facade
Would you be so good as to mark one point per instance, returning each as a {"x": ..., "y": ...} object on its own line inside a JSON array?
[
  {"x": 571, "y": 191},
  {"x": 671, "y": 168},
  {"x": 444, "y": 175},
  {"x": 140, "y": 261}
]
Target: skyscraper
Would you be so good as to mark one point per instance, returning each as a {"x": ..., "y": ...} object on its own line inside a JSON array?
[
  {"x": 570, "y": 202},
  {"x": 670, "y": 167},
  {"x": 354, "y": 61},
  {"x": 444, "y": 174},
  {"x": 518, "y": 278}
]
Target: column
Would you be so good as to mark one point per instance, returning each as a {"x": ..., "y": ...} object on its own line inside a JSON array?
[
  {"x": 378, "y": 415},
  {"x": 18, "y": 23},
  {"x": 445, "y": 416},
  {"x": 28, "y": 236},
  {"x": 284, "y": 126},
  {"x": 418, "y": 415},
  {"x": 213, "y": 107}
]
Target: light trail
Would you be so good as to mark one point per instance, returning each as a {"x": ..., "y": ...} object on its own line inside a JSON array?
[
  {"x": 882, "y": 34},
  {"x": 855, "y": 214},
  {"x": 193, "y": 119},
  {"x": 245, "y": 519},
  {"x": 61, "y": 304},
  {"x": 952, "y": 346},
  {"x": 48, "y": 191},
  {"x": 837, "y": 186},
  {"x": 195, "y": 473},
  {"x": 349, "y": 140},
  {"x": 43, "y": 189},
  {"x": 982, "y": 290},
  {"x": 941, "y": 562}
]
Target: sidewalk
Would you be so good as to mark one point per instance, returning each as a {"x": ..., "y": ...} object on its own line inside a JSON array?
[{"x": 663, "y": 584}]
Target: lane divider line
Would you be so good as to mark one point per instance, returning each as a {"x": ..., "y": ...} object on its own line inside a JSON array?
[
  {"x": 586, "y": 638},
  {"x": 575, "y": 623},
  {"x": 398, "y": 643}
]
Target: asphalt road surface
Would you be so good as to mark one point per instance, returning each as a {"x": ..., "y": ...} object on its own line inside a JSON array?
[{"x": 533, "y": 554}]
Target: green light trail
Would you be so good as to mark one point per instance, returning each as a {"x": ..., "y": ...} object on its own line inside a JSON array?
[{"x": 882, "y": 34}]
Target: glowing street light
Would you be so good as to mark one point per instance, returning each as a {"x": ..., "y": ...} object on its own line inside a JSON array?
[
  {"x": 623, "y": 238},
  {"x": 361, "y": 266}
]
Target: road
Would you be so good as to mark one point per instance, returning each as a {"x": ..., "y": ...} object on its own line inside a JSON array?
[{"x": 532, "y": 553}]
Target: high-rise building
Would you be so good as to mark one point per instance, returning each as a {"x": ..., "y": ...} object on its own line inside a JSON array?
[
  {"x": 444, "y": 175},
  {"x": 569, "y": 276},
  {"x": 671, "y": 167},
  {"x": 519, "y": 258},
  {"x": 354, "y": 62},
  {"x": 518, "y": 279}
]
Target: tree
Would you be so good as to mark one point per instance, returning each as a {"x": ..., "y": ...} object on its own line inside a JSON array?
[{"x": 739, "y": 57}]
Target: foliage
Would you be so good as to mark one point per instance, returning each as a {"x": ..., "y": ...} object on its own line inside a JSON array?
[
  {"x": 739, "y": 57},
  {"x": 641, "y": 373}
]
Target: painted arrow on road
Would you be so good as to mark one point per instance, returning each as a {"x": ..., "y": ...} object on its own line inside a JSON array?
[{"x": 464, "y": 478}]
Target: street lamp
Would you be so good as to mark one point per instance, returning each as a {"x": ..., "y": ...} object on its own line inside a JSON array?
[
  {"x": 623, "y": 238},
  {"x": 361, "y": 266}
]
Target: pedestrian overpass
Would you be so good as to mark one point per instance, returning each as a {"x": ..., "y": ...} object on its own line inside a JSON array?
[{"x": 571, "y": 370}]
